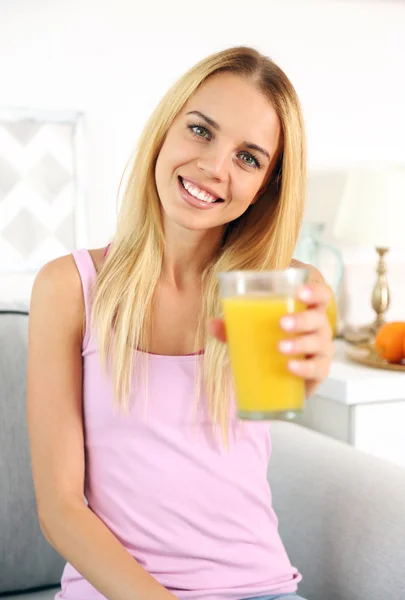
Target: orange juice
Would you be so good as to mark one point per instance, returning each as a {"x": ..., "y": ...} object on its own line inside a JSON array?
[
  {"x": 332, "y": 314},
  {"x": 264, "y": 386}
]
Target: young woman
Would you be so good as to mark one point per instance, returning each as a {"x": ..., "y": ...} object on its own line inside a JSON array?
[{"x": 145, "y": 480}]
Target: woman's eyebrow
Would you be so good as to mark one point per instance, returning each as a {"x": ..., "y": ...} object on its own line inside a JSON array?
[
  {"x": 210, "y": 121},
  {"x": 257, "y": 148},
  {"x": 215, "y": 125}
]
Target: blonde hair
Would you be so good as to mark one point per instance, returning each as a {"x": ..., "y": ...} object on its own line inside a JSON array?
[{"x": 264, "y": 237}]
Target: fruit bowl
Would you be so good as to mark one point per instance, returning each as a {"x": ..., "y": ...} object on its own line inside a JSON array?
[{"x": 366, "y": 355}]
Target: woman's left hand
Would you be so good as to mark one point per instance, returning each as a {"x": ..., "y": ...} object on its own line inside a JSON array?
[{"x": 314, "y": 335}]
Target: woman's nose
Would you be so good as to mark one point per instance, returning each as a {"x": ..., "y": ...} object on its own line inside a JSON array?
[{"x": 214, "y": 163}]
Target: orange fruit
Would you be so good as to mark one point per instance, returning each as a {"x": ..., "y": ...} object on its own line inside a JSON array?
[{"x": 390, "y": 341}]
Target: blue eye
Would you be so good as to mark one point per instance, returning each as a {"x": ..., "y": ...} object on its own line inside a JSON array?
[
  {"x": 203, "y": 133},
  {"x": 251, "y": 160},
  {"x": 200, "y": 131}
]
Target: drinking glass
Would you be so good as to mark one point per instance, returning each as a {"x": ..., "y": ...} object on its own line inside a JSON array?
[{"x": 253, "y": 304}]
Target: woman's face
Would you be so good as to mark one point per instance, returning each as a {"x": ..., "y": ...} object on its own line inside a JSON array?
[{"x": 217, "y": 154}]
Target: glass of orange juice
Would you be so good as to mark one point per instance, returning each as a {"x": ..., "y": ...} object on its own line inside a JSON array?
[{"x": 253, "y": 304}]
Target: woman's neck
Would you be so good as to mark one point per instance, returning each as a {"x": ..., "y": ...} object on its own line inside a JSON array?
[{"x": 187, "y": 253}]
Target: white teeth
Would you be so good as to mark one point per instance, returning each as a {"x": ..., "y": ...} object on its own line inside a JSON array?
[
  {"x": 203, "y": 196},
  {"x": 197, "y": 193}
]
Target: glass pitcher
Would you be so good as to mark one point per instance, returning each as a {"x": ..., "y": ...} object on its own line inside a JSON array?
[{"x": 311, "y": 250}]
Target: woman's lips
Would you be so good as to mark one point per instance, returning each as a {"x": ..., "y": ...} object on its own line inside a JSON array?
[{"x": 194, "y": 201}]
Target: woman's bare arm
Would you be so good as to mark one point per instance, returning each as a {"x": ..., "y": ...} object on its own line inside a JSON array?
[{"x": 54, "y": 412}]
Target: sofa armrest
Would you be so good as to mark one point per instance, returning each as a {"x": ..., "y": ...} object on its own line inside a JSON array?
[{"x": 341, "y": 516}]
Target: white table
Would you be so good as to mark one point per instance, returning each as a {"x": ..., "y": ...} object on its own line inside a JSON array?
[{"x": 361, "y": 406}]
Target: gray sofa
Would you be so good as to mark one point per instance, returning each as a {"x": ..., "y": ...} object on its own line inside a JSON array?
[{"x": 341, "y": 512}]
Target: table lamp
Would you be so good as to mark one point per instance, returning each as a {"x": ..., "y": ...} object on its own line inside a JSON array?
[{"x": 372, "y": 213}]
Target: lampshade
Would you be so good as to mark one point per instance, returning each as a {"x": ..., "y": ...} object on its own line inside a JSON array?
[{"x": 372, "y": 208}]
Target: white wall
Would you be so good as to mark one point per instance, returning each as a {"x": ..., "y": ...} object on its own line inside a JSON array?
[{"x": 114, "y": 59}]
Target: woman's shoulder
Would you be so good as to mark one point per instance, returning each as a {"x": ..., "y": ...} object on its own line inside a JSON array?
[
  {"x": 97, "y": 256},
  {"x": 60, "y": 279},
  {"x": 63, "y": 268},
  {"x": 58, "y": 290}
]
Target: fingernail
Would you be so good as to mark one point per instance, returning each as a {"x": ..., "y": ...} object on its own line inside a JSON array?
[
  {"x": 295, "y": 366},
  {"x": 287, "y": 323},
  {"x": 286, "y": 346},
  {"x": 305, "y": 294}
]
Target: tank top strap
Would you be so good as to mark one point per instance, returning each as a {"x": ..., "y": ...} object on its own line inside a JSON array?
[{"x": 88, "y": 275}]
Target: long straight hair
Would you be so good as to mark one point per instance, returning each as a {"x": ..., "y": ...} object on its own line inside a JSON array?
[{"x": 264, "y": 237}]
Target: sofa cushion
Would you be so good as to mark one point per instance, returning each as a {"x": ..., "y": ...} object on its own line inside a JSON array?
[
  {"x": 341, "y": 516},
  {"x": 26, "y": 558},
  {"x": 41, "y": 594}
]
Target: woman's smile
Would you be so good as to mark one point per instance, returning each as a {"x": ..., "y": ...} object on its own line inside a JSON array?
[{"x": 197, "y": 196}]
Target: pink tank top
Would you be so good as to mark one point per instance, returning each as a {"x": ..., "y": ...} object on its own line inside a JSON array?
[{"x": 196, "y": 516}]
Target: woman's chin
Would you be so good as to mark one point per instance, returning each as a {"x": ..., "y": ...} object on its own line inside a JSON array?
[
  {"x": 189, "y": 223},
  {"x": 192, "y": 222}
]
